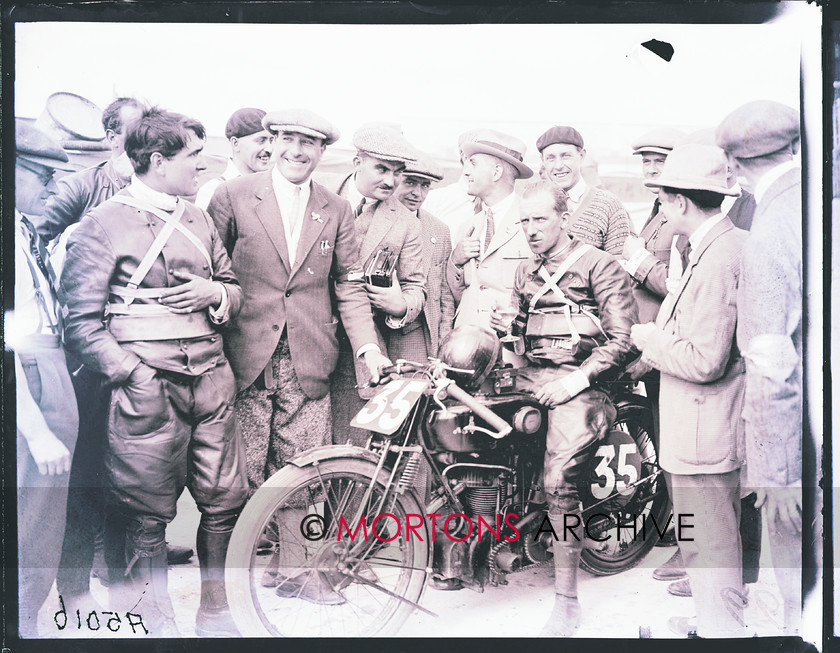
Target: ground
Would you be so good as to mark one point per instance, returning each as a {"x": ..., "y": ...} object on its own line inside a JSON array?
[{"x": 613, "y": 606}]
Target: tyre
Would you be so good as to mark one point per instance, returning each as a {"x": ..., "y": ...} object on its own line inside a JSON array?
[
  {"x": 293, "y": 570},
  {"x": 625, "y": 484}
]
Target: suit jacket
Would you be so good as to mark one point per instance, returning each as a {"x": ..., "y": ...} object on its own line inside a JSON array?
[
  {"x": 649, "y": 287},
  {"x": 702, "y": 374},
  {"x": 391, "y": 225},
  {"x": 770, "y": 335},
  {"x": 104, "y": 251},
  {"x": 742, "y": 211},
  {"x": 296, "y": 299},
  {"x": 422, "y": 337}
]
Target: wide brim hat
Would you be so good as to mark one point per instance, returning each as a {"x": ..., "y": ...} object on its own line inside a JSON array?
[
  {"x": 39, "y": 147},
  {"x": 301, "y": 121},
  {"x": 695, "y": 167},
  {"x": 660, "y": 140},
  {"x": 502, "y": 146},
  {"x": 758, "y": 128}
]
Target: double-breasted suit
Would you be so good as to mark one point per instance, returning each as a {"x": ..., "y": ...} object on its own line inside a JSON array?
[
  {"x": 422, "y": 338},
  {"x": 702, "y": 432},
  {"x": 284, "y": 345}
]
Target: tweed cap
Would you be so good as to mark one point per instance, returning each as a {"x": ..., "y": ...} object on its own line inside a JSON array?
[
  {"x": 694, "y": 167},
  {"x": 559, "y": 134},
  {"x": 758, "y": 128},
  {"x": 384, "y": 142},
  {"x": 244, "y": 122},
  {"x": 502, "y": 146},
  {"x": 660, "y": 140},
  {"x": 425, "y": 167},
  {"x": 34, "y": 145},
  {"x": 301, "y": 121}
]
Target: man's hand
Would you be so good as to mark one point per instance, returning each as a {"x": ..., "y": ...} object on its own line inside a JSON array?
[
  {"x": 196, "y": 294},
  {"x": 467, "y": 249},
  {"x": 141, "y": 373},
  {"x": 559, "y": 391},
  {"x": 51, "y": 456},
  {"x": 375, "y": 361},
  {"x": 641, "y": 333},
  {"x": 389, "y": 300},
  {"x": 783, "y": 504},
  {"x": 632, "y": 245},
  {"x": 502, "y": 316}
]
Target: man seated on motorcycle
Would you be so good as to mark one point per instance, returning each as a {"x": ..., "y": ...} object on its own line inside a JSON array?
[{"x": 575, "y": 309}]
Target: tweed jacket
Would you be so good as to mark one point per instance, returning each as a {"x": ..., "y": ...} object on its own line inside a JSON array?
[
  {"x": 77, "y": 194},
  {"x": 422, "y": 337},
  {"x": 388, "y": 224},
  {"x": 105, "y": 250},
  {"x": 493, "y": 275},
  {"x": 279, "y": 297},
  {"x": 702, "y": 374},
  {"x": 649, "y": 278},
  {"x": 770, "y": 335}
]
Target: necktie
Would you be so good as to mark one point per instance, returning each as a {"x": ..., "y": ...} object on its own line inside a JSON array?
[
  {"x": 655, "y": 210},
  {"x": 295, "y": 211},
  {"x": 490, "y": 229},
  {"x": 361, "y": 207}
]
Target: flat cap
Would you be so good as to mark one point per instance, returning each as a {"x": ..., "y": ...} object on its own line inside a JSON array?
[
  {"x": 425, "y": 166},
  {"x": 758, "y": 128},
  {"x": 301, "y": 121},
  {"x": 384, "y": 142},
  {"x": 244, "y": 122},
  {"x": 693, "y": 166},
  {"x": 34, "y": 145},
  {"x": 560, "y": 134},
  {"x": 660, "y": 140}
]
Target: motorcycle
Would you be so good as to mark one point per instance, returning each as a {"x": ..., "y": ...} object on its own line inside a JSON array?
[{"x": 344, "y": 540}]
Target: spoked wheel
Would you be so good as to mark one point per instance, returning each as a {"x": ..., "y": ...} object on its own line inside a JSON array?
[
  {"x": 626, "y": 484},
  {"x": 291, "y": 573}
]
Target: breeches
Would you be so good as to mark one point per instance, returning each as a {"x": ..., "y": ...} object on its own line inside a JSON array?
[
  {"x": 281, "y": 421},
  {"x": 573, "y": 428},
  {"x": 167, "y": 433}
]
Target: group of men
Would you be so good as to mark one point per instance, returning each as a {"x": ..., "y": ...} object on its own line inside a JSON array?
[{"x": 206, "y": 348}]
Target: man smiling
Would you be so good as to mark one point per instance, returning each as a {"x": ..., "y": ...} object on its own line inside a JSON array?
[
  {"x": 250, "y": 146},
  {"x": 146, "y": 284}
]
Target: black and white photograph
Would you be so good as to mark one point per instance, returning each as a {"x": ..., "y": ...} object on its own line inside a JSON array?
[{"x": 418, "y": 321}]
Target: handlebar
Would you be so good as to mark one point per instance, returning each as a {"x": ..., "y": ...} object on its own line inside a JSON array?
[{"x": 479, "y": 409}]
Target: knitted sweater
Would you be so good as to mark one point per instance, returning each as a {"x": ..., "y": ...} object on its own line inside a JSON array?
[{"x": 604, "y": 223}]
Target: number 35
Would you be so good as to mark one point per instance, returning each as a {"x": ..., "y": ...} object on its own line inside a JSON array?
[{"x": 606, "y": 453}]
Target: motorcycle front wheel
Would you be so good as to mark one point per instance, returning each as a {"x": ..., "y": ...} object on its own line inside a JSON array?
[{"x": 293, "y": 569}]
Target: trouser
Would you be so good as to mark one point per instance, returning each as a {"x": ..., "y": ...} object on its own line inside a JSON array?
[
  {"x": 750, "y": 529},
  {"x": 345, "y": 400},
  {"x": 167, "y": 433},
  {"x": 42, "y": 499},
  {"x": 711, "y": 504},
  {"x": 280, "y": 421},
  {"x": 786, "y": 555},
  {"x": 86, "y": 503}
]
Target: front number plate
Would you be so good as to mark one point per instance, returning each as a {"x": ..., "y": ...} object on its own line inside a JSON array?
[{"x": 388, "y": 409}]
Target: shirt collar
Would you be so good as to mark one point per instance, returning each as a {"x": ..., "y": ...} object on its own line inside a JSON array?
[
  {"x": 354, "y": 196},
  {"x": 284, "y": 186},
  {"x": 576, "y": 192},
  {"x": 157, "y": 199},
  {"x": 231, "y": 172},
  {"x": 500, "y": 209},
  {"x": 770, "y": 176},
  {"x": 696, "y": 238}
]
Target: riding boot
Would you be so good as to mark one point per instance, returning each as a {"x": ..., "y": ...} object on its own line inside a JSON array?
[
  {"x": 149, "y": 577},
  {"x": 565, "y": 615},
  {"x": 213, "y": 618}
]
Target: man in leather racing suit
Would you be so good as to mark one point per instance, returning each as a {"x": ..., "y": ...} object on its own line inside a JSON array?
[{"x": 575, "y": 310}]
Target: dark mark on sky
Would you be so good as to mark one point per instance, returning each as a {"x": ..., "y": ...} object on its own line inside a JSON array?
[{"x": 660, "y": 48}]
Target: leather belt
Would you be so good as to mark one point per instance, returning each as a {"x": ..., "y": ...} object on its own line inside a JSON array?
[{"x": 160, "y": 326}]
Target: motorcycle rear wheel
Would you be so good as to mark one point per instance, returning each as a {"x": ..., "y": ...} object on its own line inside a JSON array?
[
  {"x": 649, "y": 502},
  {"x": 351, "y": 586}
]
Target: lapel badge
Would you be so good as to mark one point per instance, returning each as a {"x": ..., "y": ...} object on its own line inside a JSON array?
[
  {"x": 317, "y": 217},
  {"x": 325, "y": 247},
  {"x": 309, "y": 270}
]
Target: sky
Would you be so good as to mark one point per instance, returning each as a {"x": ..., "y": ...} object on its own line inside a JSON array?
[{"x": 434, "y": 81}]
